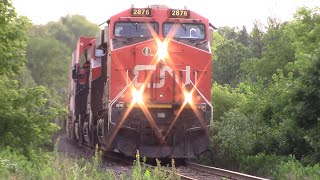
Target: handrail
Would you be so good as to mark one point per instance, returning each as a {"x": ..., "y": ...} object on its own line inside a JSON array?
[
  {"x": 115, "y": 99},
  {"x": 210, "y": 105}
]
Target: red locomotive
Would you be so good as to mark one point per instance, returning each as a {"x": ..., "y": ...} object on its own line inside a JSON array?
[{"x": 144, "y": 84}]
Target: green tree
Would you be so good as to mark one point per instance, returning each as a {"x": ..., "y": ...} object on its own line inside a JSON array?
[
  {"x": 272, "y": 121},
  {"x": 229, "y": 32},
  {"x": 68, "y": 29},
  {"x": 24, "y": 116},
  {"x": 48, "y": 61},
  {"x": 243, "y": 37},
  {"x": 226, "y": 63},
  {"x": 24, "y": 112},
  {"x": 306, "y": 29},
  {"x": 12, "y": 39},
  {"x": 50, "y": 46},
  {"x": 307, "y": 114},
  {"x": 24, "y": 78},
  {"x": 255, "y": 40},
  {"x": 277, "y": 53},
  {"x": 225, "y": 98}
]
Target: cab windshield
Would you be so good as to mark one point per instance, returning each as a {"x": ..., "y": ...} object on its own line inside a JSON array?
[
  {"x": 185, "y": 30},
  {"x": 134, "y": 29}
]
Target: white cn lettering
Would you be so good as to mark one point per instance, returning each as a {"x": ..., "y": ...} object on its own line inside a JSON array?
[{"x": 162, "y": 75}]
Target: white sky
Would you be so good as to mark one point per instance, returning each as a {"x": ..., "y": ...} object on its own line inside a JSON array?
[{"x": 233, "y": 13}]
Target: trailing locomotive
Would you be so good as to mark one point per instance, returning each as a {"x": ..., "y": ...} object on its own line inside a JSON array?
[{"x": 144, "y": 84}]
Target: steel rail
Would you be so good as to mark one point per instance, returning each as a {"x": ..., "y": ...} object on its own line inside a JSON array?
[
  {"x": 183, "y": 177},
  {"x": 222, "y": 172}
]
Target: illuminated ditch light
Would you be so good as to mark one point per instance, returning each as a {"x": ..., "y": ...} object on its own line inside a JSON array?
[
  {"x": 137, "y": 96},
  {"x": 188, "y": 97},
  {"x": 162, "y": 50}
]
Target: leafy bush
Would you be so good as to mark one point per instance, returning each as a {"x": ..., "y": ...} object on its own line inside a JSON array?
[
  {"x": 225, "y": 98},
  {"x": 24, "y": 117},
  {"x": 234, "y": 139},
  {"x": 294, "y": 169},
  {"x": 261, "y": 164},
  {"x": 13, "y": 164}
]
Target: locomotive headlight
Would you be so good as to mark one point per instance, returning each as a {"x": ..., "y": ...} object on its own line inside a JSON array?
[
  {"x": 187, "y": 97},
  {"x": 162, "y": 50},
  {"x": 137, "y": 96}
]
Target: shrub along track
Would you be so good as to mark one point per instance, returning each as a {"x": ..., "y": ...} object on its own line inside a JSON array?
[{"x": 70, "y": 149}]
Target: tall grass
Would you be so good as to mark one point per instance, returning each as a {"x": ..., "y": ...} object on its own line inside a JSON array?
[
  {"x": 55, "y": 166},
  {"x": 141, "y": 171}
]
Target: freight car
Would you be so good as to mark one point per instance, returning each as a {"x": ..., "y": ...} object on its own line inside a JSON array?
[{"x": 144, "y": 84}]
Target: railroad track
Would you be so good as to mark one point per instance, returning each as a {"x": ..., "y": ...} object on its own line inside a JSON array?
[
  {"x": 190, "y": 171},
  {"x": 194, "y": 171}
]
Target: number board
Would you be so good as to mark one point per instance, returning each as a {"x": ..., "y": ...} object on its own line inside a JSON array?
[
  {"x": 177, "y": 13},
  {"x": 140, "y": 12}
]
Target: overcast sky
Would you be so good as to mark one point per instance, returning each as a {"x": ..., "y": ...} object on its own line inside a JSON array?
[{"x": 233, "y": 13}]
